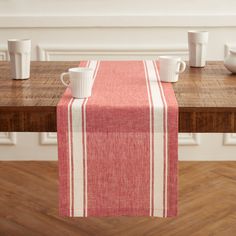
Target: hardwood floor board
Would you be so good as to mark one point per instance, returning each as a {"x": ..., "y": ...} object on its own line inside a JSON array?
[
  {"x": 47, "y": 170},
  {"x": 10, "y": 228},
  {"x": 222, "y": 227},
  {"x": 42, "y": 223},
  {"x": 22, "y": 182},
  {"x": 36, "y": 173},
  {"x": 27, "y": 197},
  {"x": 226, "y": 172},
  {"x": 29, "y": 204},
  {"x": 191, "y": 221}
]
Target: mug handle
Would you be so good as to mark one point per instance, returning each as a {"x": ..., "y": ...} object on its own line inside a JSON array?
[
  {"x": 182, "y": 67},
  {"x": 62, "y": 78}
]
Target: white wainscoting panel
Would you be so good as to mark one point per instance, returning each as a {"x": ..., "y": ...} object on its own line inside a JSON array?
[
  {"x": 229, "y": 139},
  {"x": 7, "y": 138},
  {"x": 3, "y": 54},
  {"x": 211, "y": 148},
  {"x": 26, "y": 148},
  {"x": 85, "y": 52},
  {"x": 189, "y": 139},
  {"x": 48, "y": 138}
]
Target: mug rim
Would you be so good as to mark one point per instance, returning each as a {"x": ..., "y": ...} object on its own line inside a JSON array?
[
  {"x": 197, "y": 31},
  {"x": 169, "y": 57},
  {"x": 80, "y": 69},
  {"x": 18, "y": 40}
]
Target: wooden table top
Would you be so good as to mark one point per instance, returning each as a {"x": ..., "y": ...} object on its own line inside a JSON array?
[{"x": 206, "y": 98}]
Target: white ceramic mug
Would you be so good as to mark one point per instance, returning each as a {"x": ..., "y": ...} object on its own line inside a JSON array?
[
  {"x": 81, "y": 81},
  {"x": 197, "y": 43},
  {"x": 170, "y": 68},
  {"x": 20, "y": 50}
]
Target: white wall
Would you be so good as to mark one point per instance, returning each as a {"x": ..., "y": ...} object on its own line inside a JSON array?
[
  {"x": 75, "y": 30},
  {"x": 111, "y": 7}
]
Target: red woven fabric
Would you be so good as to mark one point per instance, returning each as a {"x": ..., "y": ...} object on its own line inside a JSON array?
[{"x": 118, "y": 149}]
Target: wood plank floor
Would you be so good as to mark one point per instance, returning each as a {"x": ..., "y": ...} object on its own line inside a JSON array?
[{"x": 28, "y": 204}]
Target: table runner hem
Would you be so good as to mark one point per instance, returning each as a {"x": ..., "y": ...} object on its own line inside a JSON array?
[{"x": 173, "y": 214}]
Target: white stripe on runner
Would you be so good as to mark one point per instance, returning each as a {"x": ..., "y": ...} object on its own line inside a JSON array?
[
  {"x": 158, "y": 165},
  {"x": 78, "y": 135},
  {"x": 95, "y": 65},
  {"x": 85, "y": 161},
  {"x": 150, "y": 106},
  {"x": 69, "y": 147},
  {"x": 78, "y": 157},
  {"x": 166, "y": 136}
]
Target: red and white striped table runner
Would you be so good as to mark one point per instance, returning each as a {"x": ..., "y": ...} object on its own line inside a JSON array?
[{"x": 118, "y": 149}]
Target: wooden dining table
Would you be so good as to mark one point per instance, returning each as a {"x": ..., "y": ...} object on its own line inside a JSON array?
[{"x": 206, "y": 98}]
